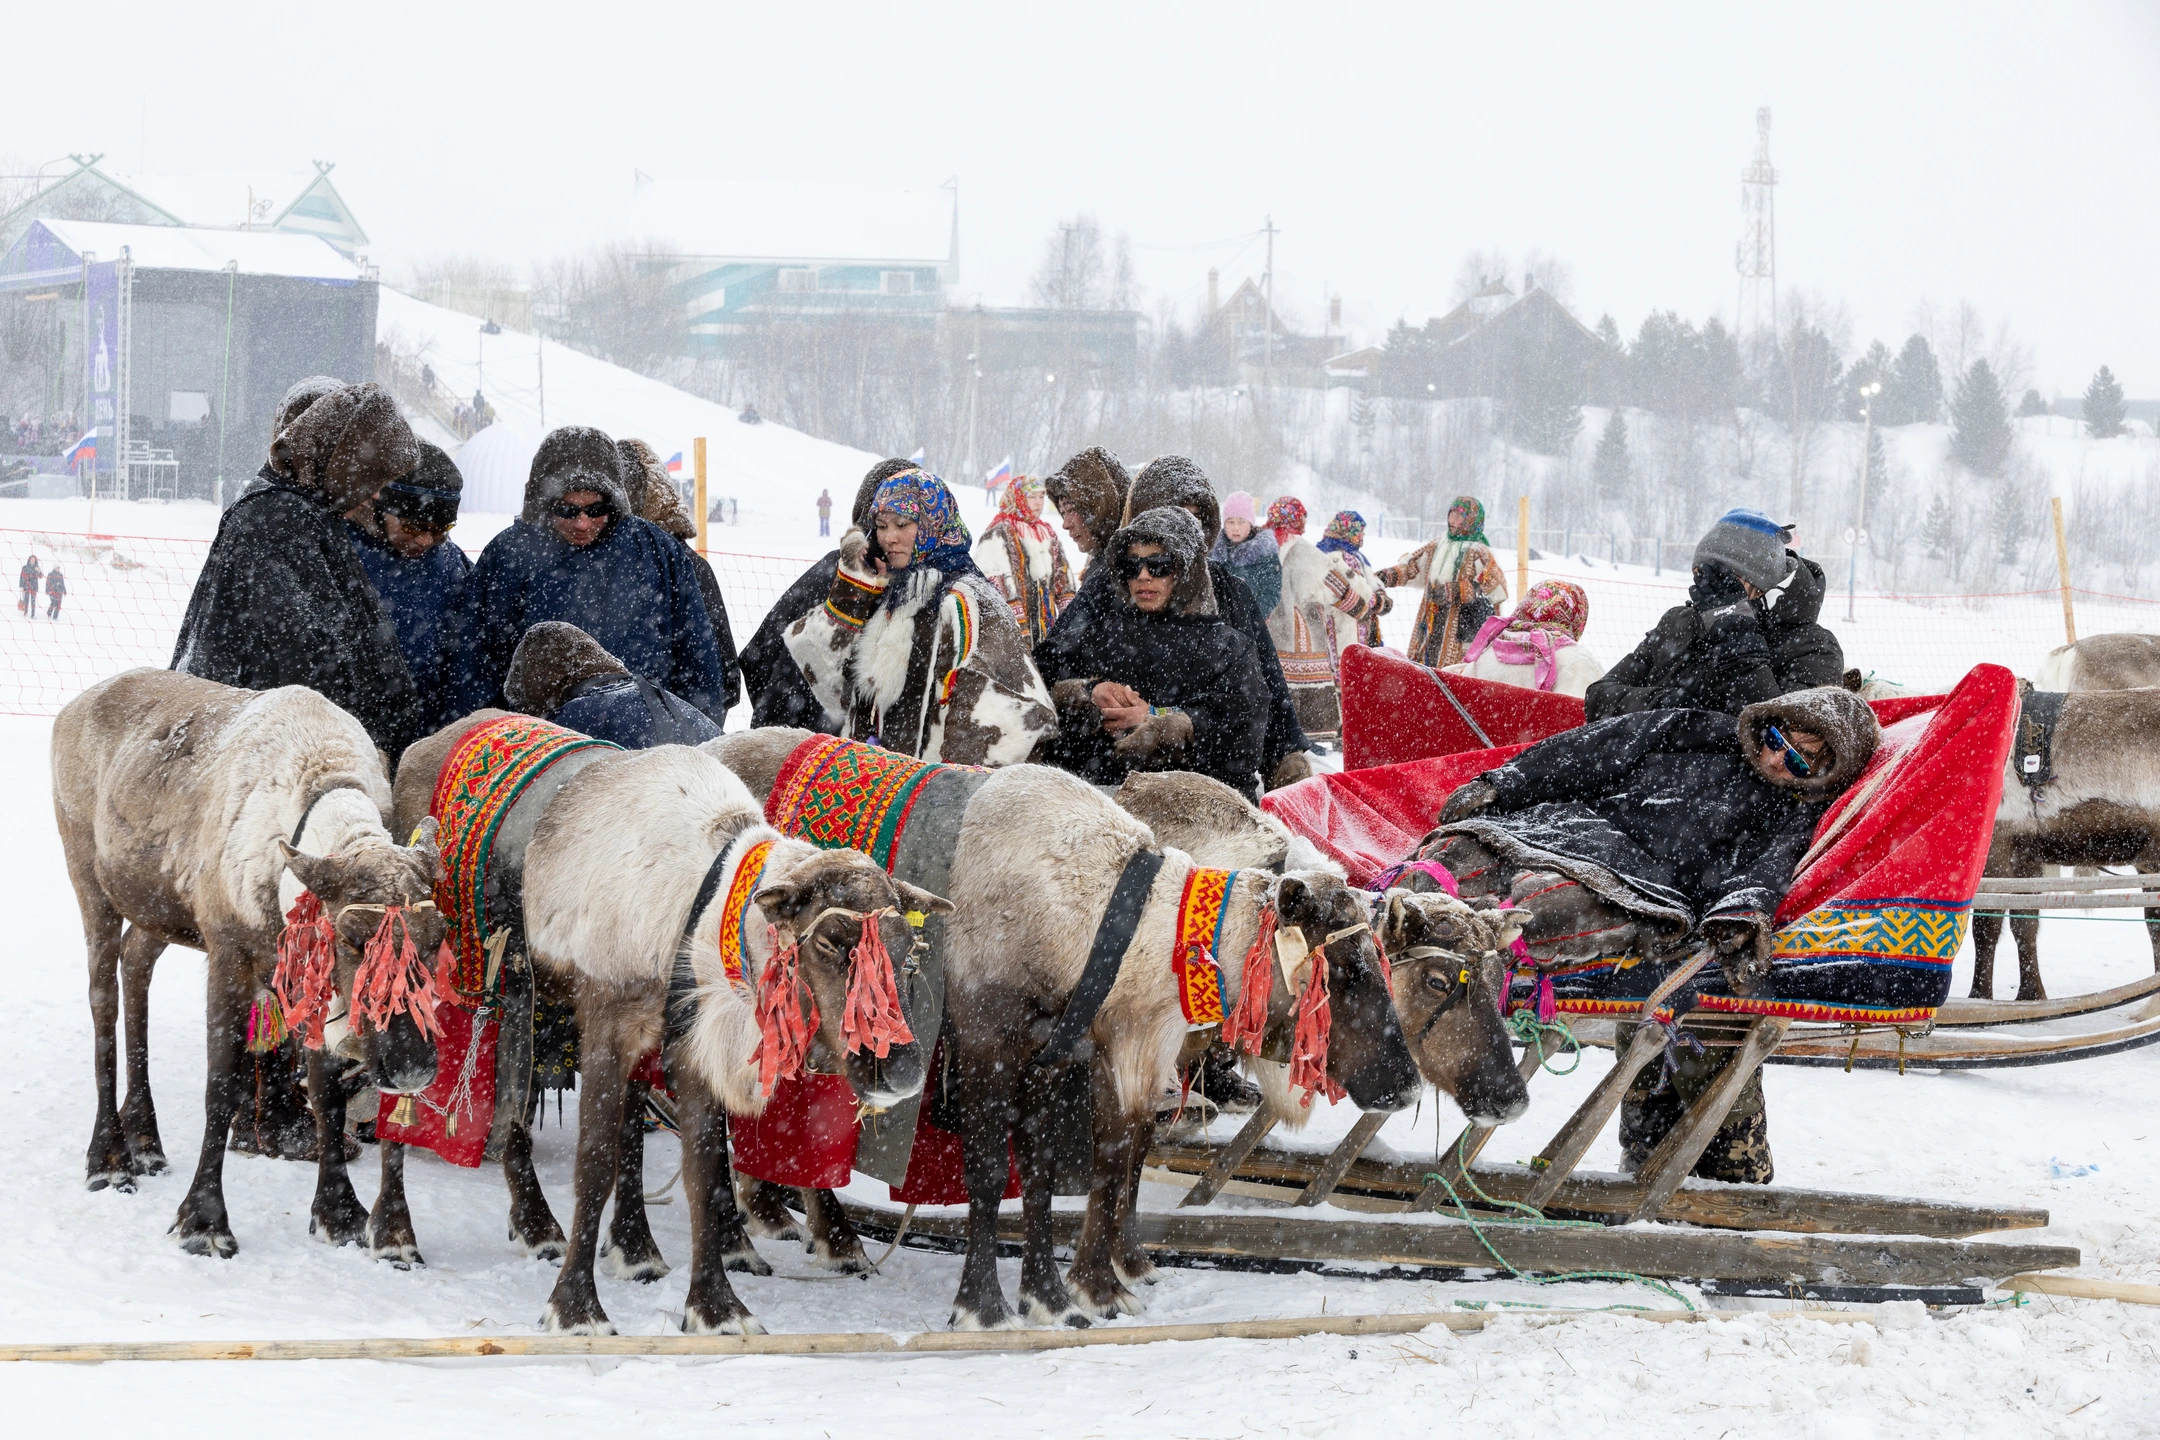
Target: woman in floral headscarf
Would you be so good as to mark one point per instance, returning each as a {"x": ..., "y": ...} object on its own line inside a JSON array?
[
  {"x": 1539, "y": 646},
  {"x": 1021, "y": 555},
  {"x": 1461, "y": 580},
  {"x": 914, "y": 649},
  {"x": 1324, "y": 606},
  {"x": 1345, "y": 534}
]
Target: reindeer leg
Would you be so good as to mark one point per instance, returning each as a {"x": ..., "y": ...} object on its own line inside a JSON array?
[
  {"x": 574, "y": 1307},
  {"x": 337, "y": 1217},
  {"x": 109, "y": 1162},
  {"x": 717, "y": 1239},
  {"x": 1132, "y": 1263},
  {"x": 390, "y": 1234},
  {"x": 203, "y": 1227},
  {"x": 631, "y": 1253},
  {"x": 138, "y": 1113},
  {"x": 2025, "y": 926},
  {"x": 764, "y": 1207},
  {"x": 532, "y": 1223},
  {"x": 986, "y": 1089},
  {"x": 1093, "y": 1277},
  {"x": 1986, "y": 934},
  {"x": 1044, "y": 1298},
  {"x": 833, "y": 1241}
]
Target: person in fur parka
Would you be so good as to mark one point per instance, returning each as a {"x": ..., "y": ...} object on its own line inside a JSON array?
[
  {"x": 1323, "y": 602},
  {"x": 913, "y": 650},
  {"x": 1021, "y": 556}
]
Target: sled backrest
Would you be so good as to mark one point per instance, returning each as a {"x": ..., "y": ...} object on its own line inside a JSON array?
[{"x": 1396, "y": 710}]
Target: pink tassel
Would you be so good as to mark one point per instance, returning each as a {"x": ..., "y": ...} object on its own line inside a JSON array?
[
  {"x": 306, "y": 974},
  {"x": 391, "y": 980},
  {"x": 1245, "y": 1026},
  {"x": 1309, "y": 1042},
  {"x": 873, "y": 1018},
  {"x": 783, "y": 1047}
]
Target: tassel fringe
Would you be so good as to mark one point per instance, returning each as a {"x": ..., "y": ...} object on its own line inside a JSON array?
[
  {"x": 784, "y": 1030},
  {"x": 392, "y": 981},
  {"x": 1245, "y": 1027},
  {"x": 873, "y": 1019},
  {"x": 306, "y": 974}
]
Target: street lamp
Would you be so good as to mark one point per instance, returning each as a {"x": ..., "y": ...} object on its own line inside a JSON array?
[{"x": 1857, "y": 536}]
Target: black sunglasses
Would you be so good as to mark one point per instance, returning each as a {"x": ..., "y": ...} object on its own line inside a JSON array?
[
  {"x": 598, "y": 510},
  {"x": 1794, "y": 760},
  {"x": 1161, "y": 567}
]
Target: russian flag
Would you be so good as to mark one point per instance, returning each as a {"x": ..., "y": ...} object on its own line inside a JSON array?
[
  {"x": 674, "y": 463},
  {"x": 83, "y": 449},
  {"x": 998, "y": 478}
]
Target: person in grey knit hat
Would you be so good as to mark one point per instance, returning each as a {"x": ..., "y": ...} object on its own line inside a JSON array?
[{"x": 1748, "y": 632}]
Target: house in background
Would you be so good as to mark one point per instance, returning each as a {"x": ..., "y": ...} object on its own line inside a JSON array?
[
  {"x": 290, "y": 203},
  {"x": 1492, "y": 345}
]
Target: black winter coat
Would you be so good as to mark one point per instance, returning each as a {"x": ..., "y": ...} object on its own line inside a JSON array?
[
  {"x": 632, "y": 590},
  {"x": 778, "y": 695},
  {"x": 418, "y": 596},
  {"x": 634, "y": 713},
  {"x": 1665, "y": 801},
  {"x": 283, "y": 600},
  {"x": 1723, "y": 651}
]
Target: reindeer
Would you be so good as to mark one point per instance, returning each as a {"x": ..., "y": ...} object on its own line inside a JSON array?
[
  {"x": 614, "y": 903},
  {"x": 193, "y": 813},
  {"x": 1039, "y": 855},
  {"x": 2101, "y": 662}
]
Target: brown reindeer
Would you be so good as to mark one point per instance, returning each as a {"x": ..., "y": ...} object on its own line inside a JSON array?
[
  {"x": 182, "y": 805},
  {"x": 617, "y": 903}
]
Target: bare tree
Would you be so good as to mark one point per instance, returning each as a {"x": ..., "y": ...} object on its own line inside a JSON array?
[
  {"x": 1082, "y": 269},
  {"x": 1480, "y": 268},
  {"x": 618, "y": 301}
]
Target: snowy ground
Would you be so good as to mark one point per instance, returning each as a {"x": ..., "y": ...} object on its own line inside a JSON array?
[{"x": 99, "y": 1267}]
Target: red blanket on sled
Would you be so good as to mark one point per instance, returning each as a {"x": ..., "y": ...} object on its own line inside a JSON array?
[{"x": 1395, "y": 709}]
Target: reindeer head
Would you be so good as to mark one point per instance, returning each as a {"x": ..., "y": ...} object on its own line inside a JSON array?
[
  {"x": 361, "y": 893},
  {"x": 1366, "y": 1055},
  {"x": 1450, "y": 972},
  {"x": 834, "y": 903}
]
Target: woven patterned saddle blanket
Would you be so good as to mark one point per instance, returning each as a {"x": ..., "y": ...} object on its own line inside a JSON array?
[
  {"x": 492, "y": 766},
  {"x": 839, "y": 794}
]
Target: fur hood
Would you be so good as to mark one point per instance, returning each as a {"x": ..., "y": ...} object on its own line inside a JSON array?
[
  {"x": 1842, "y": 718},
  {"x": 1179, "y": 535},
  {"x": 549, "y": 664},
  {"x": 575, "y": 457},
  {"x": 346, "y": 445},
  {"x": 1096, "y": 482},
  {"x": 1176, "y": 480},
  {"x": 652, "y": 491}
]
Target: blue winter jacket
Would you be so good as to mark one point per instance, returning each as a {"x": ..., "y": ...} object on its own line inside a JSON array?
[
  {"x": 634, "y": 713},
  {"x": 417, "y": 595},
  {"x": 632, "y": 590}
]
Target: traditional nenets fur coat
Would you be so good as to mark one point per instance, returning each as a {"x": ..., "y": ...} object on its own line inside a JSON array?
[
  {"x": 1323, "y": 602},
  {"x": 1021, "y": 556},
  {"x": 926, "y": 660}
]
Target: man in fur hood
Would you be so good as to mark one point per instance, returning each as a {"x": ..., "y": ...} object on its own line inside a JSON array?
[
  {"x": 1088, "y": 492},
  {"x": 282, "y": 598},
  {"x": 403, "y": 540},
  {"x": 654, "y": 496},
  {"x": 563, "y": 675},
  {"x": 1645, "y": 834},
  {"x": 580, "y": 553},
  {"x": 1160, "y": 681},
  {"x": 1177, "y": 481}
]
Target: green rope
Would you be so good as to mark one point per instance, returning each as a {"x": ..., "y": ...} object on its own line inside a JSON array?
[
  {"x": 1536, "y": 1218},
  {"x": 1529, "y": 1030},
  {"x": 2054, "y": 917}
]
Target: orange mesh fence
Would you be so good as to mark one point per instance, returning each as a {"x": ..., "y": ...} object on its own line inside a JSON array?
[{"x": 126, "y": 595}]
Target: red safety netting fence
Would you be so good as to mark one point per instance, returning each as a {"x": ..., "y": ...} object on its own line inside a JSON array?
[{"x": 126, "y": 595}]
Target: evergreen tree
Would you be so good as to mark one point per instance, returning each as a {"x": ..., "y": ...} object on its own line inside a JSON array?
[
  {"x": 1939, "y": 528},
  {"x": 2104, "y": 406},
  {"x": 2008, "y": 523},
  {"x": 1875, "y": 367},
  {"x": 2031, "y": 405},
  {"x": 1608, "y": 330},
  {"x": 1609, "y": 470},
  {"x": 1980, "y": 433},
  {"x": 1878, "y": 462},
  {"x": 1913, "y": 394}
]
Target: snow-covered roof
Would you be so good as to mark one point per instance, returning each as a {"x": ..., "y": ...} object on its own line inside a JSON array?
[
  {"x": 789, "y": 220},
  {"x": 176, "y": 247},
  {"x": 221, "y": 199}
]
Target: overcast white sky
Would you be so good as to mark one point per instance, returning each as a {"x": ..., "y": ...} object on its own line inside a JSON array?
[{"x": 2004, "y": 154}]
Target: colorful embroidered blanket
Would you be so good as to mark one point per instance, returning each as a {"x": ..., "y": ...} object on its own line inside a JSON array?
[
  {"x": 843, "y": 794},
  {"x": 1199, "y": 940},
  {"x": 491, "y": 766}
]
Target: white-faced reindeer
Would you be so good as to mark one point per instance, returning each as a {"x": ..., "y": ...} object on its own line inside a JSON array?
[{"x": 195, "y": 814}]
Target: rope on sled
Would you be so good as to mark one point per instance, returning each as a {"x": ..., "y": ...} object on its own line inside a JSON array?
[
  {"x": 1536, "y": 1218},
  {"x": 1528, "y": 1029}
]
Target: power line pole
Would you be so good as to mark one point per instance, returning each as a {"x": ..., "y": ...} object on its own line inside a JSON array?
[{"x": 1267, "y": 285}]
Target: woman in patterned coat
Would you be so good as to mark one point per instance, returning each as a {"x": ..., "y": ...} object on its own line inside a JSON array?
[
  {"x": 1462, "y": 584},
  {"x": 1322, "y": 604},
  {"x": 1021, "y": 556}
]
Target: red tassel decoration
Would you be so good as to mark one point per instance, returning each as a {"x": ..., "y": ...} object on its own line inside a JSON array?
[
  {"x": 1309, "y": 1042},
  {"x": 784, "y": 1031},
  {"x": 306, "y": 974},
  {"x": 1245, "y": 1026},
  {"x": 872, "y": 1018},
  {"x": 391, "y": 980}
]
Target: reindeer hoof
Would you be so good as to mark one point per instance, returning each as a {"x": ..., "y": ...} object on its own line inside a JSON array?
[
  {"x": 745, "y": 1261},
  {"x": 335, "y": 1226},
  {"x": 825, "y": 1258},
  {"x": 964, "y": 1318},
  {"x": 1045, "y": 1316},
  {"x": 1144, "y": 1273},
  {"x": 555, "y": 1322},
  {"x": 213, "y": 1241},
  {"x": 149, "y": 1162},
  {"x": 547, "y": 1247},
  {"x": 120, "y": 1179},
  {"x": 741, "y": 1323},
  {"x": 644, "y": 1270}
]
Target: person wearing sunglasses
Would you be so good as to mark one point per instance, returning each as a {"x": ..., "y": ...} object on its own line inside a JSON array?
[
  {"x": 1160, "y": 681},
  {"x": 401, "y": 537},
  {"x": 580, "y": 554},
  {"x": 1646, "y": 836}
]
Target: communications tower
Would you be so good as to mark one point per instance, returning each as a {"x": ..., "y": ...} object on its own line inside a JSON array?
[{"x": 1755, "y": 257}]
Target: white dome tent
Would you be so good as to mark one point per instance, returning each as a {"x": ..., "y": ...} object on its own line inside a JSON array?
[{"x": 496, "y": 463}]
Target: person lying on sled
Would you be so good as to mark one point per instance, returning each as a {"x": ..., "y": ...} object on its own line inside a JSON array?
[
  {"x": 564, "y": 676},
  {"x": 1645, "y": 835}
]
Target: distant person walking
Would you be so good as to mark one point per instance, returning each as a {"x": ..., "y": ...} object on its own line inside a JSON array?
[
  {"x": 55, "y": 592},
  {"x": 1462, "y": 584},
  {"x": 824, "y": 513},
  {"x": 30, "y": 576}
]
